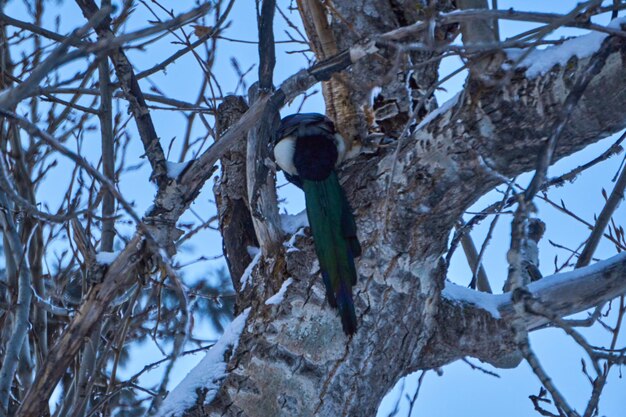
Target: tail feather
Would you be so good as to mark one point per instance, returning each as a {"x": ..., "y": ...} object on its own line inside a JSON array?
[
  {"x": 348, "y": 226},
  {"x": 330, "y": 295},
  {"x": 345, "y": 304},
  {"x": 336, "y": 245}
]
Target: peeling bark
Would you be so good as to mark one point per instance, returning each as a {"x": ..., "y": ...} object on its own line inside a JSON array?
[
  {"x": 230, "y": 195},
  {"x": 406, "y": 85},
  {"x": 293, "y": 358}
]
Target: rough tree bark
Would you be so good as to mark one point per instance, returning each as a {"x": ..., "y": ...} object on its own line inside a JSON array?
[
  {"x": 230, "y": 194},
  {"x": 293, "y": 358},
  {"x": 375, "y": 89}
]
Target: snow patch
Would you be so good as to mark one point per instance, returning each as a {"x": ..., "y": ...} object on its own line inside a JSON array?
[
  {"x": 492, "y": 302},
  {"x": 486, "y": 301},
  {"x": 540, "y": 61},
  {"x": 577, "y": 274},
  {"x": 291, "y": 223},
  {"x": 208, "y": 374},
  {"x": 174, "y": 169},
  {"x": 106, "y": 258},
  {"x": 252, "y": 250},
  {"x": 374, "y": 92},
  {"x": 291, "y": 244},
  {"x": 278, "y": 297},
  {"x": 247, "y": 274},
  {"x": 440, "y": 110}
]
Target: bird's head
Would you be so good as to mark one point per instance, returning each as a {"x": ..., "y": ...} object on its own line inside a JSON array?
[{"x": 307, "y": 145}]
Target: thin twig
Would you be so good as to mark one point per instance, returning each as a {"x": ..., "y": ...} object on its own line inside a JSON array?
[{"x": 616, "y": 197}]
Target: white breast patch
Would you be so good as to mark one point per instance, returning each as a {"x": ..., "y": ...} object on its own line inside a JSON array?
[
  {"x": 340, "y": 144},
  {"x": 283, "y": 154}
]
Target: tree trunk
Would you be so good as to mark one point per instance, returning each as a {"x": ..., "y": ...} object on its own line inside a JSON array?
[
  {"x": 293, "y": 358},
  {"x": 288, "y": 355}
]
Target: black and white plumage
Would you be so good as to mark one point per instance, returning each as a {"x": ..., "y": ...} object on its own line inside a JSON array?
[
  {"x": 308, "y": 148},
  {"x": 304, "y": 137}
]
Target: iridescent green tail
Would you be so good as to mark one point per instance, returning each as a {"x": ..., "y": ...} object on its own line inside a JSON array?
[{"x": 336, "y": 244}]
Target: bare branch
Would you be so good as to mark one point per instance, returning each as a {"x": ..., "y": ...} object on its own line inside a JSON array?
[
  {"x": 259, "y": 178},
  {"x": 9, "y": 98},
  {"x": 19, "y": 329},
  {"x": 616, "y": 197}
]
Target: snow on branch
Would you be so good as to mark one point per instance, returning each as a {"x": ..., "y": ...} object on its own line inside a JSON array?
[
  {"x": 566, "y": 293},
  {"x": 174, "y": 169},
  {"x": 278, "y": 297},
  {"x": 247, "y": 274},
  {"x": 485, "y": 301},
  {"x": 540, "y": 61},
  {"x": 207, "y": 375}
]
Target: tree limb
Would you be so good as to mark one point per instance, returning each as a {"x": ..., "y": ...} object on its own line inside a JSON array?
[{"x": 457, "y": 154}]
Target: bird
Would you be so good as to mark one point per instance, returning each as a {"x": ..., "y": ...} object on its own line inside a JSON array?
[{"x": 309, "y": 149}]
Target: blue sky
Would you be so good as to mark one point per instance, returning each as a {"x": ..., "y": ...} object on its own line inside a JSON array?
[{"x": 458, "y": 391}]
